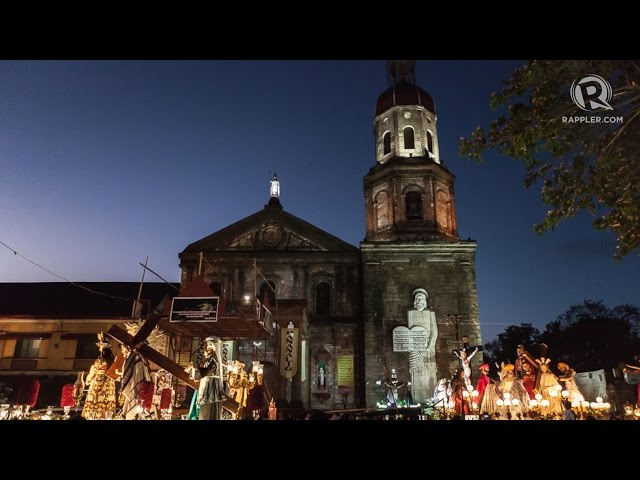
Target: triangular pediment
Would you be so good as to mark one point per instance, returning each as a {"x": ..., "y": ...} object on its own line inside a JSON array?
[{"x": 271, "y": 229}]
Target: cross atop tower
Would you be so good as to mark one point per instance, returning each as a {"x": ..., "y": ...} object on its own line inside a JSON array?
[{"x": 401, "y": 71}]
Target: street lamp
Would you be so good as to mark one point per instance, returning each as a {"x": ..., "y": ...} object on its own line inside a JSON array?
[
  {"x": 534, "y": 406},
  {"x": 600, "y": 407},
  {"x": 470, "y": 396}
]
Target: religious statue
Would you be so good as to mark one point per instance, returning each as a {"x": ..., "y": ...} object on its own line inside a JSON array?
[
  {"x": 528, "y": 379},
  {"x": 483, "y": 381},
  {"x": 135, "y": 375},
  {"x": 465, "y": 360},
  {"x": 101, "y": 397},
  {"x": 210, "y": 387},
  {"x": 548, "y": 386},
  {"x": 393, "y": 385},
  {"x": 566, "y": 376},
  {"x": 442, "y": 392},
  {"x": 321, "y": 378},
  {"x": 136, "y": 378},
  {"x": 510, "y": 388},
  {"x": 163, "y": 392},
  {"x": 422, "y": 360}
]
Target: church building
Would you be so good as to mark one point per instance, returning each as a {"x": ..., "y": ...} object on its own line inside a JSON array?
[{"x": 349, "y": 317}]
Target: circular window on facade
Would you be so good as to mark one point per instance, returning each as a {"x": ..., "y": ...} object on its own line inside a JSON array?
[{"x": 272, "y": 235}]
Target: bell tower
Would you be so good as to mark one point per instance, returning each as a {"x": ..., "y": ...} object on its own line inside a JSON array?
[
  {"x": 405, "y": 122},
  {"x": 409, "y": 192},
  {"x": 412, "y": 245}
]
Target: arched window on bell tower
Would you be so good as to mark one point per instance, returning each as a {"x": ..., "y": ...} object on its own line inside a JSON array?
[
  {"x": 409, "y": 143},
  {"x": 323, "y": 298},
  {"x": 413, "y": 205},
  {"x": 430, "y": 142},
  {"x": 386, "y": 141}
]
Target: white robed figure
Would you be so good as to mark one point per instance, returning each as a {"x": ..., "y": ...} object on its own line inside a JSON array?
[{"x": 422, "y": 363}]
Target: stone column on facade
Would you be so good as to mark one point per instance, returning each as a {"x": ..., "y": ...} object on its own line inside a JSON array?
[
  {"x": 235, "y": 292},
  {"x": 432, "y": 209},
  {"x": 452, "y": 212}
]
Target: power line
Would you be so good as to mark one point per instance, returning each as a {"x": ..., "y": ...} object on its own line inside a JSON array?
[
  {"x": 66, "y": 280},
  {"x": 165, "y": 281}
]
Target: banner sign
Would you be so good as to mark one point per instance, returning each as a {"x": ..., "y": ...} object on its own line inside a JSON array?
[
  {"x": 289, "y": 352},
  {"x": 227, "y": 352},
  {"x": 194, "y": 309},
  {"x": 345, "y": 369}
]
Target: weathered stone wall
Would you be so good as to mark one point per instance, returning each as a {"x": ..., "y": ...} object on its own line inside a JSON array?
[{"x": 446, "y": 270}]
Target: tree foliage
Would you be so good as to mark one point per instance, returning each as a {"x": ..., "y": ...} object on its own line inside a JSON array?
[
  {"x": 591, "y": 336},
  {"x": 503, "y": 348},
  {"x": 581, "y": 167},
  {"x": 588, "y": 337}
]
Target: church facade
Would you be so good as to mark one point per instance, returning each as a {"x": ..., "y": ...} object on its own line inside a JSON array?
[{"x": 355, "y": 311}]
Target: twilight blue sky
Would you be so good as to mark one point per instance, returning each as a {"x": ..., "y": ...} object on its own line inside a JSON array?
[{"x": 106, "y": 162}]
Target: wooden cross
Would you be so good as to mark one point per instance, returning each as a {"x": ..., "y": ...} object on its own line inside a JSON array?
[{"x": 137, "y": 342}]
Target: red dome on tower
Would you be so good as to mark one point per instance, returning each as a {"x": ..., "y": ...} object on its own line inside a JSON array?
[{"x": 404, "y": 94}]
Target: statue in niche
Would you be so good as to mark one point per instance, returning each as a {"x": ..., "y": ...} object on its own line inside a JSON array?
[
  {"x": 322, "y": 385},
  {"x": 422, "y": 361}
]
